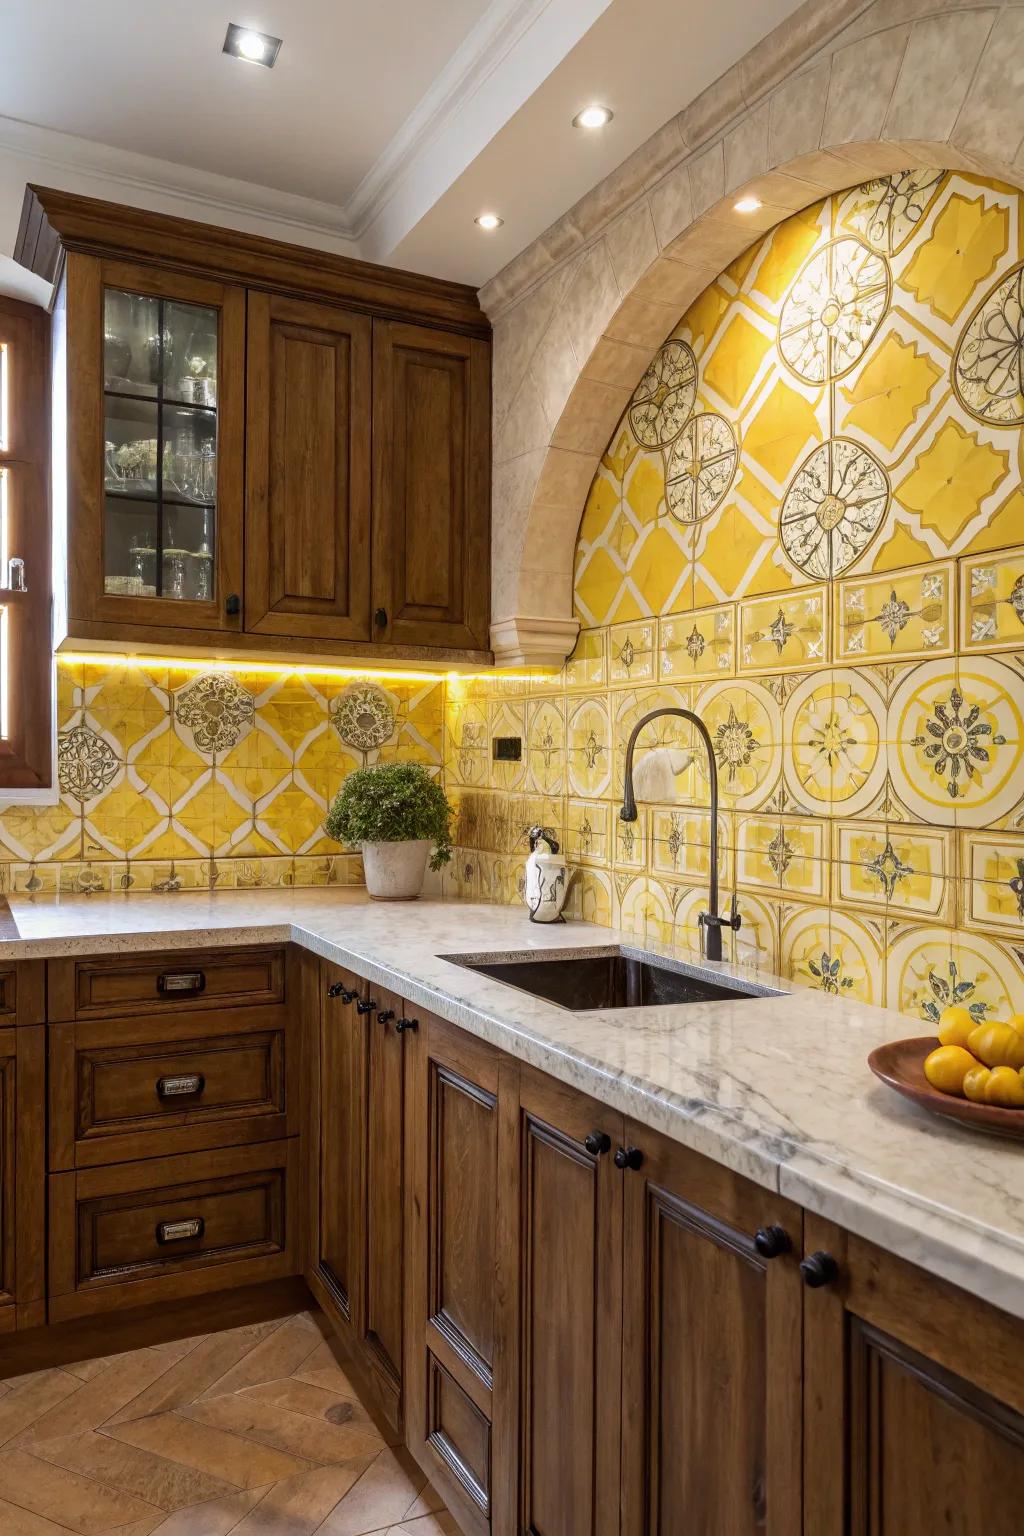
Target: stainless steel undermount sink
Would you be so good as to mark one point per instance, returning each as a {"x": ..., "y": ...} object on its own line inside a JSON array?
[{"x": 611, "y": 978}]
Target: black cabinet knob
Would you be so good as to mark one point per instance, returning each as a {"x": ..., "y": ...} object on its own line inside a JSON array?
[
  {"x": 335, "y": 989},
  {"x": 597, "y": 1143},
  {"x": 365, "y": 1005},
  {"x": 233, "y": 605},
  {"x": 772, "y": 1242},
  {"x": 404, "y": 1024},
  {"x": 380, "y": 618},
  {"x": 819, "y": 1269},
  {"x": 629, "y": 1157},
  {"x": 385, "y": 1016}
]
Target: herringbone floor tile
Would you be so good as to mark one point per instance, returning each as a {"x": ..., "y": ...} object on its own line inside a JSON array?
[{"x": 253, "y": 1432}]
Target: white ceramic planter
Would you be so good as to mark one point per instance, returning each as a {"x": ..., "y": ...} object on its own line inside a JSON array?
[{"x": 395, "y": 871}]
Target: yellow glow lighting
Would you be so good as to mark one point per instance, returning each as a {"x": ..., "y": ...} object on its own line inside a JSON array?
[{"x": 287, "y": 669}]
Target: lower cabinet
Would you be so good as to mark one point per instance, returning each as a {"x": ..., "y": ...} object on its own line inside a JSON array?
[
  {"x": 356, "y": 1264},
  {"x": 22, "y": 1177}
]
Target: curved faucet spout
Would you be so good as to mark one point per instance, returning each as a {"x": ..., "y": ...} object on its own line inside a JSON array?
[{"x": 711, "y": 922}]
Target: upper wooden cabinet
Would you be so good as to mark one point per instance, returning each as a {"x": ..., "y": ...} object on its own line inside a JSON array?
[
  {"x": 431, "y": 425},
  {"x": 268, "y": 448}
]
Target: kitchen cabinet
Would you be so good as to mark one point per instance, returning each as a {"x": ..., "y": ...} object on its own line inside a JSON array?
[
  {"x": 273, "y": 449},
  {"x": 357, "y": 1266},
  {"x": 712, "y": 1319},
  {"x": 914, "y": 1399},
  {"x": 22, "y": 1176}
]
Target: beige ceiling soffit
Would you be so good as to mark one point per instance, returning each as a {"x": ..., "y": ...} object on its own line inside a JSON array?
[
  {"x": 522, "y": 641},
  {"x": 692, "y": 132},
  {"x": 472, "y": 64},
  {"x": 148, "y": 176}
]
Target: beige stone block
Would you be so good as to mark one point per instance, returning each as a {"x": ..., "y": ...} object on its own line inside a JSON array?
[
  {"x": 658, "y": 154},
  {"x": 869, "y": 159},
  {"x": 707, "y": 179},
  {"x": 617, "y": 362},
  {"x": 590, "y": 415},
  {"x": 598, "y": 207},
  {"x": 714, "y": 242},
  {"x": 643, "y": 322},
  {"x": 992, "y": 120},
  {"x": 938, "y": 64},
  {"x": 564, "y": 479},
  {"x": 555, "y": 369},
  {"x": 783, "y": 193},
  {"x": 591, "y": 300},
  {"x": 796, "y": 115},
  {"x": 671, "y": 204},
  {"x": 549, "y": 592},
  {"x": 708, "y": 113},
  {"x": 525, "y": 426},
  {"x": 675, "y": 282},
  {"x": 521, "y": 273},
  {"x": 517, "y": 334},
  {"x": 561, "y": 239},
  {"x": 884, "y": 14},
  {"x": 863, "y": 78},
  {"x": 792, "y": 42},
  {"x": 746, "y": 149},
  {"x": 824, "y": 171},
  {"x": 632, "y": 246}
]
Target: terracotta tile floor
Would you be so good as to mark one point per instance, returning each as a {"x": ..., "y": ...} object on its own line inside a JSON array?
[{"x": 253, "y": 1432}]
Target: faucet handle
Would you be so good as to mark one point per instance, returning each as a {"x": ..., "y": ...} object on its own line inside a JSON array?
[{"x": 735, "y": 921}]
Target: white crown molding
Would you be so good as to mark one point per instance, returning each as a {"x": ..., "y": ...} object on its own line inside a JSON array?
[
  {"x": 324, "y": 224},
  {"x": 481, "y": 52}
]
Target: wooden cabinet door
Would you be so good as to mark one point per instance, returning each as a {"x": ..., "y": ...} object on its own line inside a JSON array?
[
  {"x": 339, "y": 1218},
  {"x": 711, "y": 1412},
  {"x": 22, "y": 1177},
  {"x": 431, "y": 429},
  {"x": 461, "y": 1112},
  {"x": 307, "y": 505},
  {"x": 381, "y": 1319},
  {"x": 914, "y": 1401},
  {"x": 112, "y": 500},
  {"x": 570, "y": 1251}
]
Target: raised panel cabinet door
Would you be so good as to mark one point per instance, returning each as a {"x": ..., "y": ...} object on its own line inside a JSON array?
[
  {"x": 913, "y": 1400},
  {"x": 307, "y": 505},
  {"x": 431, "y": 431},
  {"x": 570, "y": 1346},
  {"x": 462, "y": 1173},
  {"x": 155, "y": 400},
  {"x": 339, "y": 1219},
  {"x": 381, "y": 1323},
  {"x": 22, "y": 1177},
  {"x": 711, "y": 1349}
]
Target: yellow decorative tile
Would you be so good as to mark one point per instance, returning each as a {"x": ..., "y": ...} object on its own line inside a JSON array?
[
  {"x": 632, "y": 649},
  {"x": 889, "y": 392},
  {"x": 589, "y": 747},
  {"x": 598, "y": 579},
  {"x": 735, "y": 359},
  {"x": 783, "y": 431},
  {"x": 588, "y": 838},
  {"x": 950, "y": 480},
  {"x": 659, "y": 567},
  {"x": 966, "y": 241},
  {"x": 778, "y": 853},
  {"x": 784, "y": 634},
  {"x": 587, "y": 667},
  {"x": 901, "y": 869},
  {"x": 909, "y": 613},
  {"x": 698, "y": 644},
  {"x": 833, "y": 952},
  {"x": 930, "y": 968},
  {"x": 680, "y": 844},
  {"x": 545, "y": 735},
  {"x": 993, "y": 886},
  {"x": 992, "y": 602},
  {"x": 629, "y": 841}
]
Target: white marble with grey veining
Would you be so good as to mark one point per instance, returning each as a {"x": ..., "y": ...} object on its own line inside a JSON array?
[{"x": 775, "y": 1087}]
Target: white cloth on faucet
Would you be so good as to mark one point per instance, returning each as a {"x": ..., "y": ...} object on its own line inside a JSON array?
[{"x": 654, "y": 777}]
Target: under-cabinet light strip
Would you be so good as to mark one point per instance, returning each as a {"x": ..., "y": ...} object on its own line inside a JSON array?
[{"x": 286, "y": 669}]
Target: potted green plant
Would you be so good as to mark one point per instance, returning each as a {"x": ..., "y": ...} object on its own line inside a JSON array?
[{"x": 395, "y": 814}]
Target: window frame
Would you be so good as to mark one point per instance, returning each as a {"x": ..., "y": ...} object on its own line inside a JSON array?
[{"x": 26, "y": 752}]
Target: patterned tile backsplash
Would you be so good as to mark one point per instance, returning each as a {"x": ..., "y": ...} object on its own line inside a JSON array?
[
  {"x": 808, "y": 526},
  {"x": 177, "y": 779}
]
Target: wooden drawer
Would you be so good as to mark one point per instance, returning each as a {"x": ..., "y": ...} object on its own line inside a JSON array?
[
  {"x": 171, "y": 1227},
  {"x": 149, "y": 1086},
  {"x": 23, "y": 993},
  {"x": 115, "y": 985}
]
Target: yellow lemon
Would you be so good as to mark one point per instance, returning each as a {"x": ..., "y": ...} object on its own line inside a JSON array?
[
  {"x": 997, "y": 1045},
  {"x": 1016, "y": 1021},
  {"x": 975, "y": 1084},
  {"x": 947, "y": 1067},
  {"x": 1005, "y": 1087},
  {"x": 955, "y": 1024}
]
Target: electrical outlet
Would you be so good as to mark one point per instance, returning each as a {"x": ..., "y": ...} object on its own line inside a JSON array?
[{"x": 507, "y": 749}]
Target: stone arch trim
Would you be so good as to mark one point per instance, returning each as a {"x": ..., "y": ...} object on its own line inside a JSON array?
[{"x": 578, "y": 315}]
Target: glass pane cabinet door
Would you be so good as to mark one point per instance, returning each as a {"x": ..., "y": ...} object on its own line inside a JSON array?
[{"x": 160, "y": 448}]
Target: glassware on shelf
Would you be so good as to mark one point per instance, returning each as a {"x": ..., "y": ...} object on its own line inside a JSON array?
[{"x": 175, "y": 573}]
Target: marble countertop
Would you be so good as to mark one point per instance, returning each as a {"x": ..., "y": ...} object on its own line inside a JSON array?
[{"x": 776, "y": 1088}]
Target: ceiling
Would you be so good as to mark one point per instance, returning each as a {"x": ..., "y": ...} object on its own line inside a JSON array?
[{"x": 383, "y": 129}]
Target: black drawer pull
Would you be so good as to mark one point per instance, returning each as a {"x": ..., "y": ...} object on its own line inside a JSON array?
[
  {"x": 180, "y": 1231},
  {"x": 180, "y": 1087},
  {"x": 819, "y": 1269},
  {"x": 404, "y": 1024},
  {"x": 181, "y": 981},
  {"x": 598, "y": 1143},
  {"x": 365, "y": 1005},
  {"x": 628, "y": 1157},
  {"x": 385, "y": 1016},
  {"x": 772, "y": 1242}
]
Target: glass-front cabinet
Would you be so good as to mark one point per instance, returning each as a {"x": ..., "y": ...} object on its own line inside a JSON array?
[{"x": 165, "y": 499}]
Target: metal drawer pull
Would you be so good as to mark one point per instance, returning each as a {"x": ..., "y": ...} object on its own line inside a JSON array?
[
  {"x": 180, "y": 1087},
  {"x": 181, "y": 981},
  {"x": 178, "y": 1231}
]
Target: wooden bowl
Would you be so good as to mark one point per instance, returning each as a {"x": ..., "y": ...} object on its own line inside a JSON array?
[{"x": 901, "y": 1065}]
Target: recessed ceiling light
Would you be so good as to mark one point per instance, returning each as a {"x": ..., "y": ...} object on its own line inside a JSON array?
[
  {"x": 489, "y": 221},
  {"x": 593, "y": 117},
  {"x": 253, "y": 47},
  {"x": 748, "y": 205}
]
